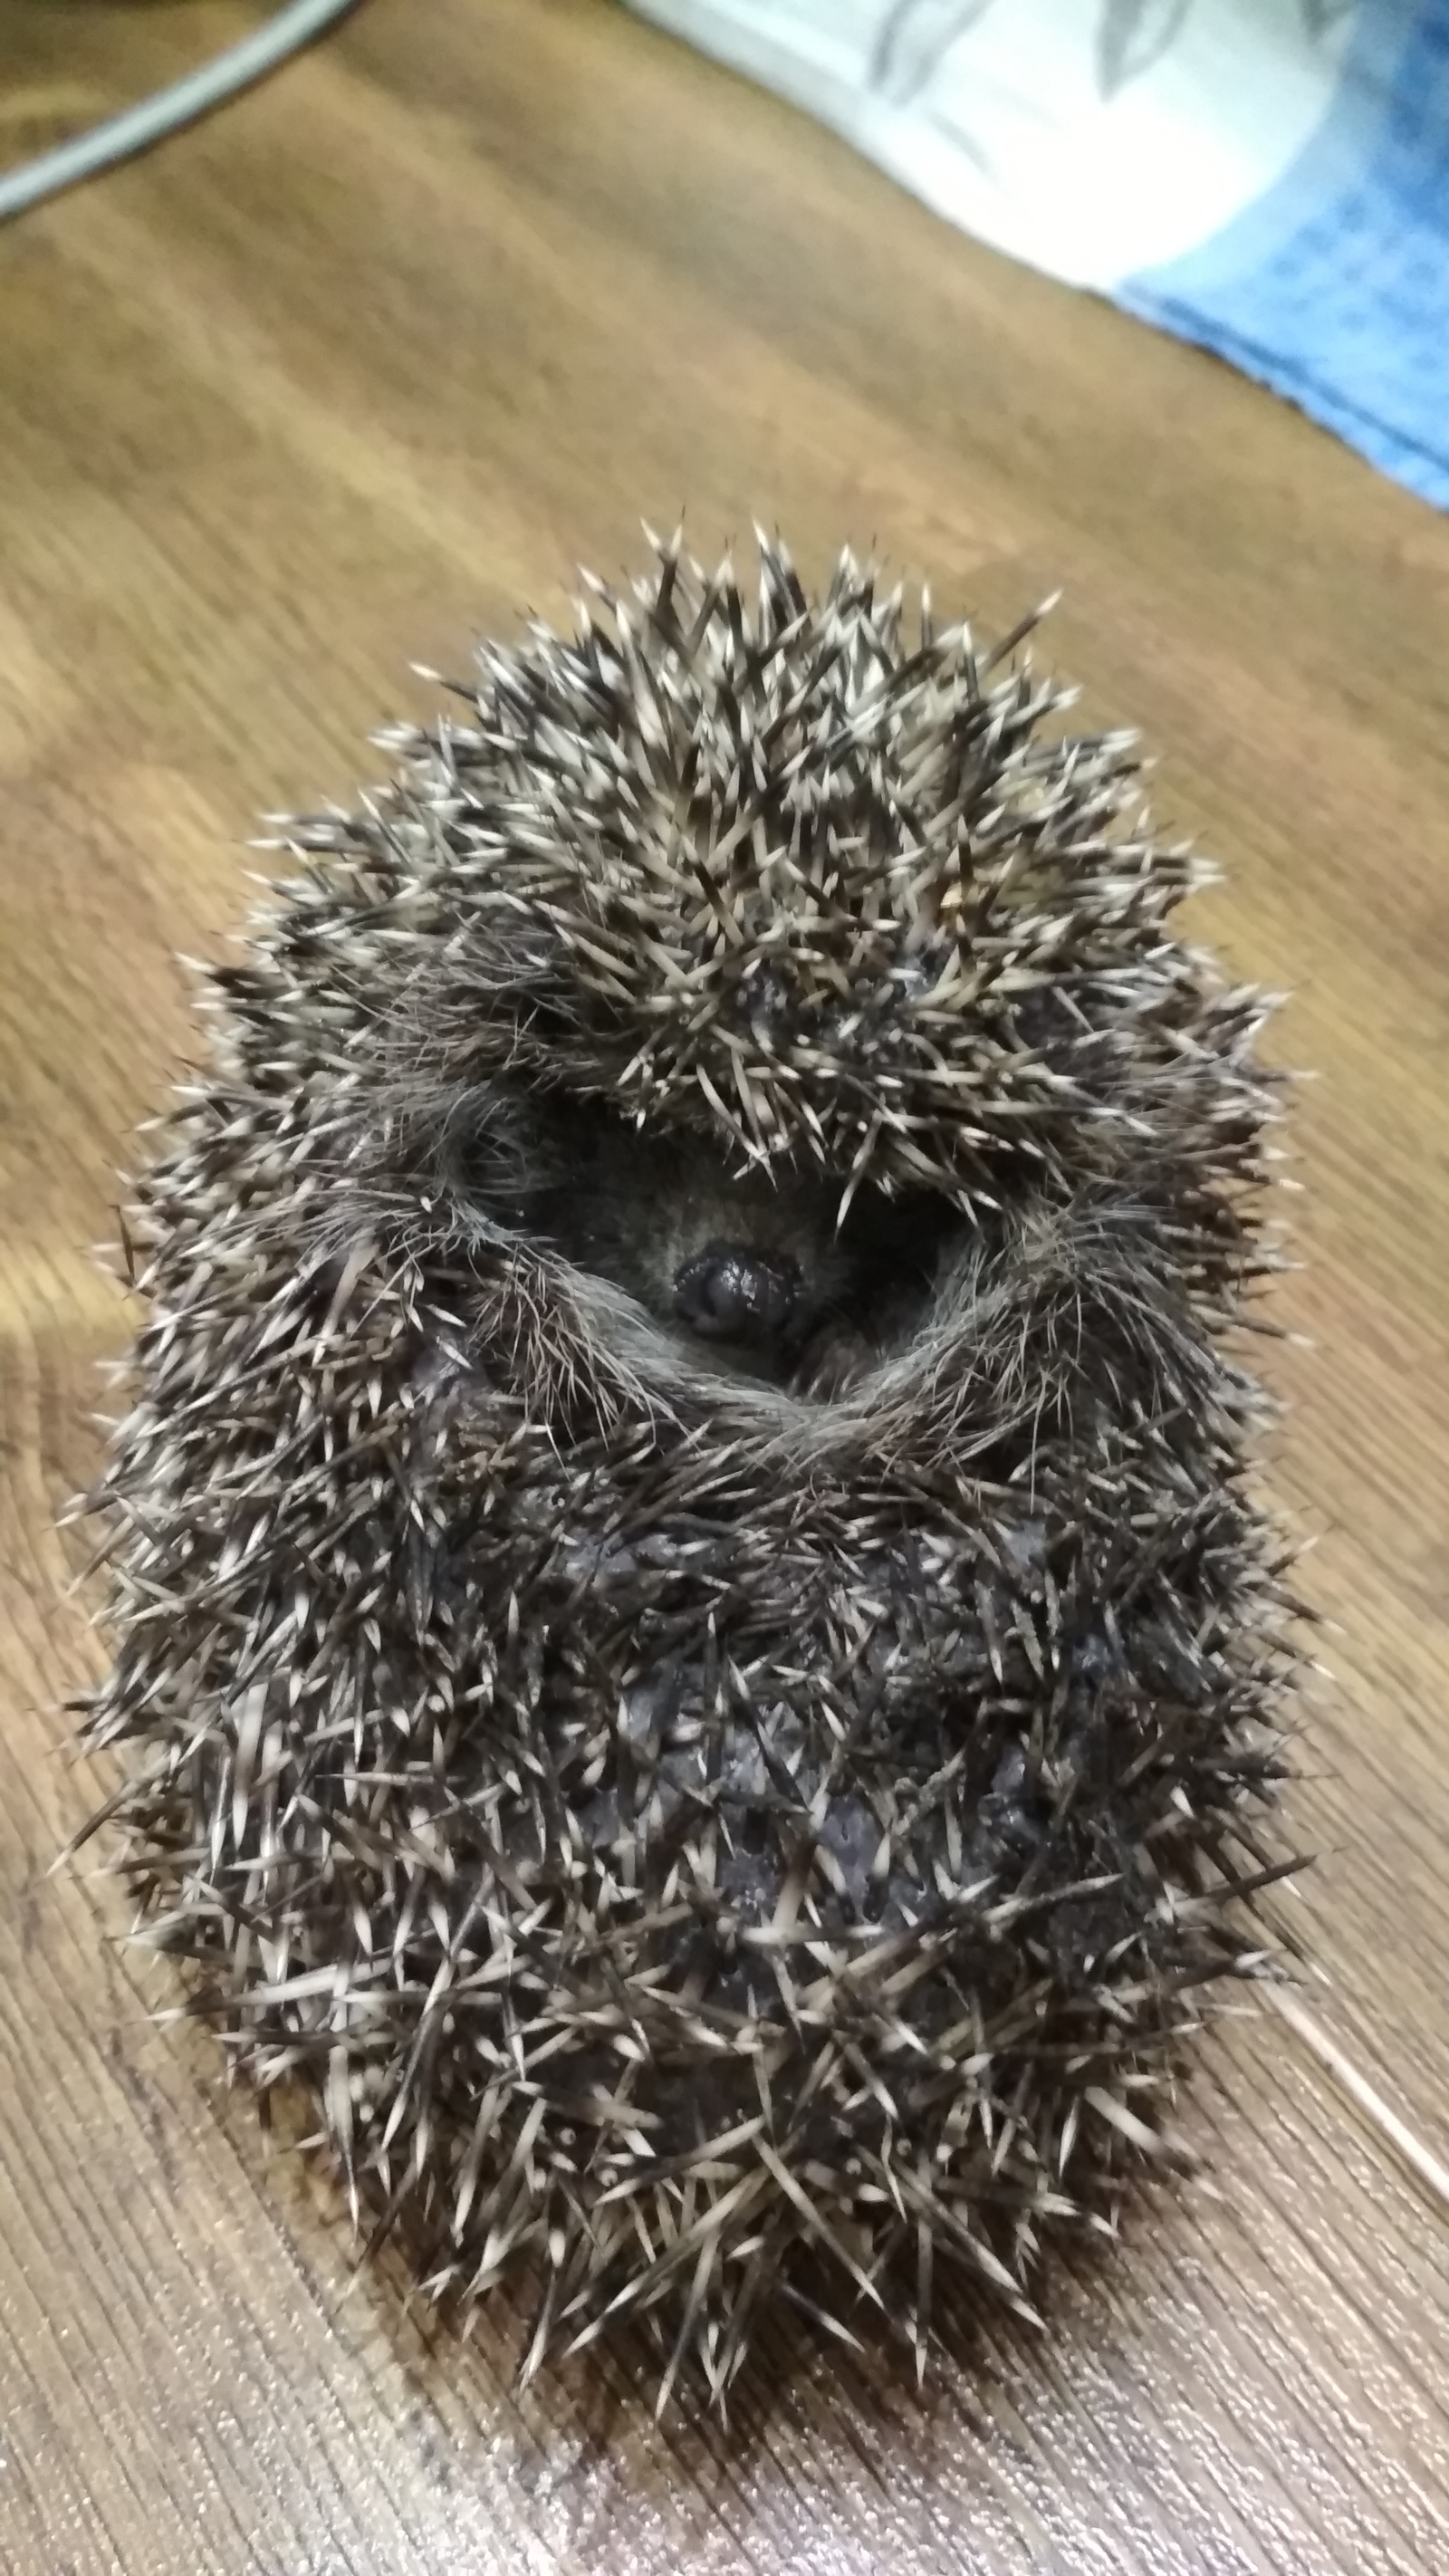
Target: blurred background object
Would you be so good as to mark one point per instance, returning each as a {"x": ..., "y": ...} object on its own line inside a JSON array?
[
  {"x": 83, "y": 154},
  {"x": 1269, "y": 178}
]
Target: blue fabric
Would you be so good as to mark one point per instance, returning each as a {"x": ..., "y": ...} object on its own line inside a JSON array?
[{"x": 1334, "y": 287}]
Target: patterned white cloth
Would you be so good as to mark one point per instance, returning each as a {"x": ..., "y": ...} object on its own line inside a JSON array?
[{"x": 1268, "y": 177}]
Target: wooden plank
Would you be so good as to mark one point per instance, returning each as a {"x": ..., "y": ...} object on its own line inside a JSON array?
[{"x": 339, "y": 378}]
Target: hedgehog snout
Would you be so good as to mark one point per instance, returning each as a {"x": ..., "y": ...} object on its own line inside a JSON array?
[{"x": 732, "y": 1293}]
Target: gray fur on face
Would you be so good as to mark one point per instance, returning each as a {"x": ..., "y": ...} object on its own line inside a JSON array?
[{"x": 772, "y": 1274}]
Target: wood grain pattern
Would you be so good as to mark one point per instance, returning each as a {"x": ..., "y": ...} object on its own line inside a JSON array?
[{"x": 333, "y": 382}]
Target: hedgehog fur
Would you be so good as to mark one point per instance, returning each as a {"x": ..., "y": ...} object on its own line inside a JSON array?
[{"x": 693, "y": 1645}]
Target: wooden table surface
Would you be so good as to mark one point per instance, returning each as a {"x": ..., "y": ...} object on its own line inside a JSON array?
[{"x": 360, "y": 368}]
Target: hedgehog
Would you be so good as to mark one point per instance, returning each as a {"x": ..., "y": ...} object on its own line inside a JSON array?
[{"x": 694, "y": 1649}]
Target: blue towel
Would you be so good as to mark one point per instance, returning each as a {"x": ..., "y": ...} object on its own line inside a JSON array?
[
  {"x": 1334, "y": 287},
  {"x": 1269, "y": 178}
]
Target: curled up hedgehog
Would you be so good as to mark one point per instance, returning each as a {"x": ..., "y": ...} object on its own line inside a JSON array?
[{"x": 693, "y": 1650}]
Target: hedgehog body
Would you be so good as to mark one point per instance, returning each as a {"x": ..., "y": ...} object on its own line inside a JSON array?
[{"x": 694, "y": 1650}]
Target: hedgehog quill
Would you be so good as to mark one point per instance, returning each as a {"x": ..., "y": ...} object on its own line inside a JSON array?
[{"x": 692, "y": 1644}]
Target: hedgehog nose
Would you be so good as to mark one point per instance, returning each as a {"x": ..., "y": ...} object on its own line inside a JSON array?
[{"x": 730, "y": 1293}]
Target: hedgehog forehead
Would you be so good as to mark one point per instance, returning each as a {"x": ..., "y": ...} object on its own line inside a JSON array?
[
  {"x": 765, "y": 901},
  {"x": 677, "y": 929},
  {"x": 785, "y": 991},
  {"x": 760, "y": 930},
  {"x": 807, "y": 883}
]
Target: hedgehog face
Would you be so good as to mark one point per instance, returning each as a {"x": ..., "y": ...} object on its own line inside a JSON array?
[
  {"x": 778, "y": 1275},
  {"x": 790, "y": 879},
  {"x": 781, "y": 955}
]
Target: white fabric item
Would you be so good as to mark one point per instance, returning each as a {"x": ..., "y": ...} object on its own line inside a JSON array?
[{"x": 1091, "y": 138}]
